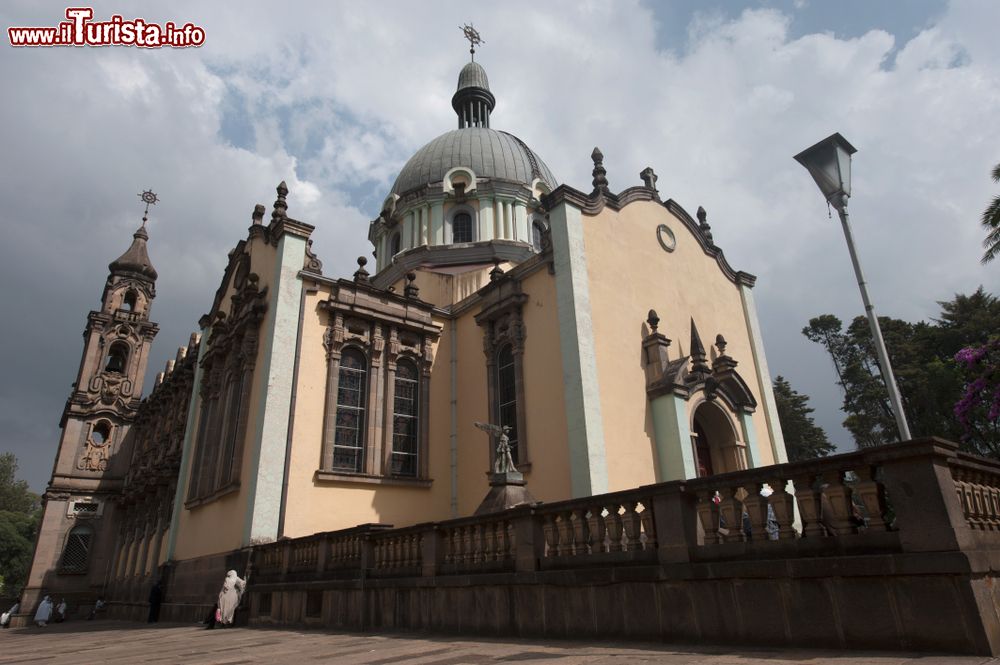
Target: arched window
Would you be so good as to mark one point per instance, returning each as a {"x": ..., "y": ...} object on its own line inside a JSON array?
[
  {"x": 405, "y": 421},
  {"x": 234, "y": 400},
  {"x": 461, "y": 227},
  {"x": 117, "y": 358},
  {"x": 100, "y": 432},
  {"x": 352, "y": 388},
  {"x": 76, "y": 552},
  {"x": 537, "y": 230},
  {"x": 394, "y": 244},
  {"x": 507, "y": 396},
  {"x": 129, "y": 302}
]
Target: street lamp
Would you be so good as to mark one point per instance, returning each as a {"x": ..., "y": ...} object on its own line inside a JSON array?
[{"x": 829, "y": 163}]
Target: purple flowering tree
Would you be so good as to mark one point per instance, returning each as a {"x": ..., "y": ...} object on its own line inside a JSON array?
[{"x": 978, "y": 411}]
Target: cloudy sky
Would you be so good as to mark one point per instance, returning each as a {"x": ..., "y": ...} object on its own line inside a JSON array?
[{"x": 716, "y": 96}]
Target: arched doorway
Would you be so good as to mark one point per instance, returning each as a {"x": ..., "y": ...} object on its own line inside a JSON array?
[{"x": 717, "y": 449}]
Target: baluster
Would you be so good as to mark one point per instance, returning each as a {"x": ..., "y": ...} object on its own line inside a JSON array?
[
  {"x": 510, "y": 539},
  {"x": 783, "y": 506},
  {"x": 976, "y": 490},
  {"x": 993, "y": 504},
  {"x": 731, "y": 510},
  {"x": 614, "y": 524},
  {"x": 841, "y": 507},
  {"x": 756, "y": 507},
  {"x": 581, "y": 531},
  {"x": 565, "y": 533},
  {"x": 632, "y": 526},
  {"x": 808, "y": 500},
  {"x": 490, "y": 542},
  {"x": 648, "y": 525},
  {"x": 468, "y": 544},
  {"x": 598, "y": 531},
  {"x": 499, "y": 541},
  {"x": 551, "y": 532},
  {"x": 872, "y": 496},
  {"x": 708, "y": 515}
]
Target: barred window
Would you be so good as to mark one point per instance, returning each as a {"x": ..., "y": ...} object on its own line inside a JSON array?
[
  {"x": 461, "y": 227},
  {"x": 76, "y": 552},
  {"x": 405, "y": 437},
  {"x": 507, "y": 397},
  {"x": 394, "y": 244},
  {"x": 537, "y": 230},
  {"x": 349, "y": 439}
]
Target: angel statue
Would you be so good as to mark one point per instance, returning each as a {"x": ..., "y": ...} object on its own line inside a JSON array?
[{"x": 503, "y": 463}]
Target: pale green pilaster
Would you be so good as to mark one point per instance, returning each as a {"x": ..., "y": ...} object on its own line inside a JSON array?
[
  {"x": 186, "y": 452},
  {"x": 521, "y": 223},
  {"x": 267, "y": 463},
  {"x": 406, "y": 239},
  {"x": 763, "y": 376},
  {"x": 673, "y": 439},
  {"x": 584, "y": 424},
  {"x": 486, "y": 218},
  {"x": 750, "y": 439},
  {"x": 437, "y": 223}
]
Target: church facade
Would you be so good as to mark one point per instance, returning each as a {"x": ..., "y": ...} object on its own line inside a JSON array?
[{"x": 605, "y": 330}]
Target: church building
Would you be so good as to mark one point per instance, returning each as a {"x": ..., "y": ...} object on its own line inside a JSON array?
[{"x": 606, "y": 331}]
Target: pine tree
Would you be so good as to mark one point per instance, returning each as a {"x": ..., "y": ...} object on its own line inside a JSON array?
[{"x": 803, "y": 438}]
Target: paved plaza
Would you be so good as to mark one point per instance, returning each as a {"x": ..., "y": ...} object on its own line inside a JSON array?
[{"x": 111, "y": 643}]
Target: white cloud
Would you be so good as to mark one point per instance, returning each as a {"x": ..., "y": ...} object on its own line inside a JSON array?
[{"x": 336, "y": 97}]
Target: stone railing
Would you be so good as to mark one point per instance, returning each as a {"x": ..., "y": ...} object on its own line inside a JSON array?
[{"x": 917, "y": 496}]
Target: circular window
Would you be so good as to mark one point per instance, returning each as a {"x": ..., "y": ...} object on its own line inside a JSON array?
[{"x": 666, "y": 237}]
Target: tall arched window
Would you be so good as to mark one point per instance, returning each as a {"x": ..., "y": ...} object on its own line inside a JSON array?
[
  {"x": 349, "y": 439},
  {"x": 234, "y": 400},
  {"x": 393, "y": 245},
  {"x": 461, "y": 227},
  {"x": 117, "y": 358},
  {"x": 507, "y": 396},
  {"x": 537, "y": 229},
  {"x": 405, "y": 421},
  {"x": 76, "y": 551}
]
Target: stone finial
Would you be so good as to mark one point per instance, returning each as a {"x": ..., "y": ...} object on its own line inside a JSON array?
[
  {"x": 649, "y": 178},
  {"x": 258, "y": 214},
  {"x": 158, "y": 381},
  {"x": 193, "y": 342},
  {"x": 411, "y": 290},
  {"x": 720, "y": 344},
  {"x": 361, "y": 275},
  {"x": 280, "y": 205},
  {"x": 497, "y": 271},
  {"x": 181, "y": 355},
  {"x": 699, "y": 359},
  {"x": 600, "y": 173},
  {"x": 653, "y": 320},
  {"x": 706, "y": 230},
  {"x": 169, "y": 369}
]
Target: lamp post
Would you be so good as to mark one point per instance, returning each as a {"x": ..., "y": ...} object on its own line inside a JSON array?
[{"x": 829, "y": 163}]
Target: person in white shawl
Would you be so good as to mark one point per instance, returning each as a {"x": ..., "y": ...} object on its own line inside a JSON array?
[
  {"x": 229, "y": 597},
  {"x": 6, "y": 617},
  {"x": 44, "y": 612}
]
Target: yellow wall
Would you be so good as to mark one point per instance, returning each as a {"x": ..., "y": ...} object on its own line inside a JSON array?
[
  {"x": 217, "y": 526},
  {"x": 629, "y": 274}
]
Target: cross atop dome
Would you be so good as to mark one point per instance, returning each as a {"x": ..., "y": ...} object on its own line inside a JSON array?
[
  {"x": 473, "y": 101},
  {"x": 474, "y": 39}
]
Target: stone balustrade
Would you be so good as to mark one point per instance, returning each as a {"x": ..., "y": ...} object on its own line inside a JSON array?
[{"x": 847, "y": 551}]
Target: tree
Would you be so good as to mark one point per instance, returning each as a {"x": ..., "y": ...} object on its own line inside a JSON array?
[
  {"x": 979, "y": 409},
  {"x": 991, "y": 220},
  {"x": 20, "y": 513},
  {"x": 923, "y": 359},
  {"x": 803, "y": 438}
]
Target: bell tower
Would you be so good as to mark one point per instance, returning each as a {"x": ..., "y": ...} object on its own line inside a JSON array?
[{"x": 76, "y": 536}]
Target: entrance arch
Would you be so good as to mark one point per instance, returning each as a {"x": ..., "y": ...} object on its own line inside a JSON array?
[{"x": 717, "y": 447}]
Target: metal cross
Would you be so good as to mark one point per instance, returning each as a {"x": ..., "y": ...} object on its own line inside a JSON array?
[
  {"x": 149, "y": 198},
  {"x": 473, "y": 36}
]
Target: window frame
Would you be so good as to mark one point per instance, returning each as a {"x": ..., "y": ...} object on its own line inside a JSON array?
[
  {"x": 463, "y": 209},
  {"x": 77, "y": 530},
  {"x": 361, "y": 410}
]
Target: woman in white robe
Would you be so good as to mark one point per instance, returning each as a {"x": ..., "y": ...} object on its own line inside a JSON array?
[
  {"x": 44, "y": 612},
  {"x": 229, "y": 597}
]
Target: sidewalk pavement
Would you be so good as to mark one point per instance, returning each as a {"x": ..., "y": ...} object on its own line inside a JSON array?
[{"x": 116, "y": 642}]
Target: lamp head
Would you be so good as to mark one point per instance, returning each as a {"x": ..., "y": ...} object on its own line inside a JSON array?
[{"x": 829, "y": 163}]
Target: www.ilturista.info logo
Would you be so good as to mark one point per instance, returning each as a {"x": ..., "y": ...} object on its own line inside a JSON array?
[{"x": 79, "y": 30}]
